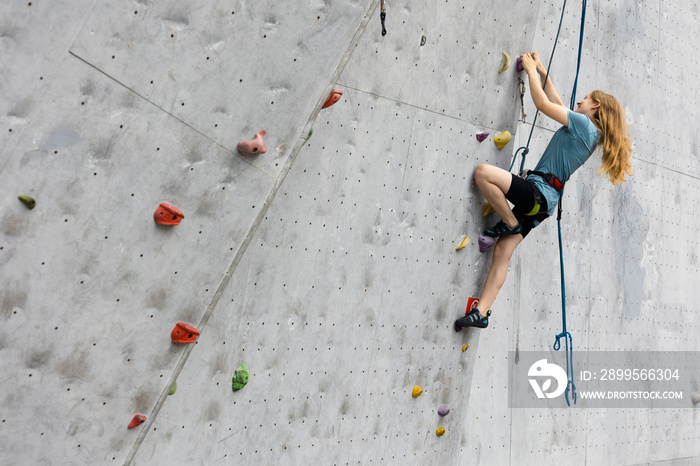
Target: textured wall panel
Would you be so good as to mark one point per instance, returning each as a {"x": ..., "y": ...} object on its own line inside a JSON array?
[
  {"x": 344, "y": 280},
  {"x": 91, "y": 285},
  {"x": 358, "y": 289},
  {"x": 228, "y": 70},
  {"x": 455, "y": 72}
]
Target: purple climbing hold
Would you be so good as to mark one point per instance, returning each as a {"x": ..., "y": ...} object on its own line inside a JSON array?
[
  {"x": 443, "y": 410},
  {"x": 485, "y": 243},
  {"x": 481, "y": 136},
  {"x": 519, "y": 65}
]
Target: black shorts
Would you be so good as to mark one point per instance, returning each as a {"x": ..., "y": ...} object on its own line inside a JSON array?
[{"x": 529, "y": 206}]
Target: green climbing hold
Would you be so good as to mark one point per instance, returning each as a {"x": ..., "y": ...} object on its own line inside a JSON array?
[
  {"x": 240, "y": 378},
  {"x": 173, "y": 389},
  {"x": 28, "y": 201},
  {"x": 311, "y": 132}
]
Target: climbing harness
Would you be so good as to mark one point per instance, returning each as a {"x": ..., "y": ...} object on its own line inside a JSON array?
[
  {"x": 539, "y": 202},
  {"x": 550, "y": 179},
  {"x": 570, "y": 387}
]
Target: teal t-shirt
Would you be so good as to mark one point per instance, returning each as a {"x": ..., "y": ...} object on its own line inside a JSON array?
[{"x": 569, "y": 148}]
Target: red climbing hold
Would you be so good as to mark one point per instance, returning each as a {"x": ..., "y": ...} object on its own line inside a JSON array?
[
  {"x": 471, "y": 305},
  {"x": 334, "y": 97},
  {"x": 166, "y": 214},
  {"x": 184, "y": 333},
  {"x": 137, "y": 421},
  {"x": 254, "y": 146}
]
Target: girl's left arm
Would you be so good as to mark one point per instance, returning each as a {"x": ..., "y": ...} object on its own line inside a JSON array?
[
  {"x": 553, "y": 110},
  {"x": 548, "y": 86}
]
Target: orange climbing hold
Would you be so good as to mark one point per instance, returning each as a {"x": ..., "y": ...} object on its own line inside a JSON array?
[
  {"x": 254, "y": 146},
  {"x": 336, "y": 93},
  {"x": 166, "y": 214},
  {"x": 137, "y": 421},
  {"x": 184, "y": 333}
]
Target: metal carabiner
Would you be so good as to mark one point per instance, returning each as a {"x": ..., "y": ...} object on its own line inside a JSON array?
[
  {"x": 522, "y": 97},
  {"x": 383, "y": 18}
]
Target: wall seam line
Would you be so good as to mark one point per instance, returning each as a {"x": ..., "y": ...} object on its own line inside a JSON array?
[{"x": 249, "y": 236}]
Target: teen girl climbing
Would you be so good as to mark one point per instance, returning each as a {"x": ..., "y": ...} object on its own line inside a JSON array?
[{"x": 599, "y": 119}]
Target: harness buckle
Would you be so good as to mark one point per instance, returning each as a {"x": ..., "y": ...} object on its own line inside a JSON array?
[{"x": 551, "y": 180}]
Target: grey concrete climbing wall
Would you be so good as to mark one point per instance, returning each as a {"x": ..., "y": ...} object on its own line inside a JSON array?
[{"x": 326, "y": 265}]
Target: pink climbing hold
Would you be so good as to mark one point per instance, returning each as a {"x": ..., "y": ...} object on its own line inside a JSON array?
[
  {"x": 137, "y": 421},
  {"x": 443, "y": 410},
  {"x": 485, "y": 243},
  {"x": 519, "y": 65},
  {"x": 254, "y": 146},
  {"x": 481, "y": 136},
  {"x": 334, "y": 97}
]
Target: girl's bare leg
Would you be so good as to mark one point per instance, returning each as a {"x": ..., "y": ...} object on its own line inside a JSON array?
[
  {"x": 502, "y": 252},
  {"x": 494, "y": 183}
]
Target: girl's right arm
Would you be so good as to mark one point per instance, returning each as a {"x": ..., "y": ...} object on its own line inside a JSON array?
[
  {"x": 548, "y": 87},
  {"x": 542, "y": 101}
]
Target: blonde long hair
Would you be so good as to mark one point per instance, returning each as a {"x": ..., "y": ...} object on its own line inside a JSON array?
[{"x": 617, "y": 149}]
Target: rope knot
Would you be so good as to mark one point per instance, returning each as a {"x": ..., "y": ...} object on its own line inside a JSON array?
[{"x": 557, "y": 343}]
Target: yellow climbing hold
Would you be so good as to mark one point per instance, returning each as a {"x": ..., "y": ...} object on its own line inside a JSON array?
[
  {"x": 487, "y": 210},
  {"x": 502, "y": 139},
  {"x": 463, "y": 244},
  {"x": 464, "y": 348},
  {"x": 440, "y": 431},
  {"x": 416, "y": 391},
  {"x": 505, "y": 63}
]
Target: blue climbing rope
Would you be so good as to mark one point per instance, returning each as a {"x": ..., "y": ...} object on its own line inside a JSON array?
[
  {"x": 570, "y": 386},
  {"x": 580, "y": 47},
  {"x": 568, "y": 341}
]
